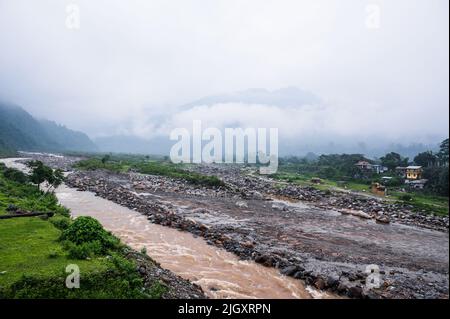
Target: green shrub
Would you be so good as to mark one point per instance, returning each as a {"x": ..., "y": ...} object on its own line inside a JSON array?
[
  {"x": 157, "y": 290},
  {"x": 85, "y": 250},
  {"x": 15, "y": 175},
  {"x": 85, "y": 237},
  {"x": 83, "y": 230},
  {"x": 405, "y": 197},
  {"x": 61, "y": 222},
  {"x": 114, "y": 283}
]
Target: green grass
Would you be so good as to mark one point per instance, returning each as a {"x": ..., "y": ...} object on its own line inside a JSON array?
[
  {"x": 438, "y": 205},
  {"x": 325, "y": 184},
  {"x": 30, "y": 246},
  {"x": 151, "y": 167}
]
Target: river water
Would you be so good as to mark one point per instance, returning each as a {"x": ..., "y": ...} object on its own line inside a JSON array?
[{"x": 220, "y": 273}]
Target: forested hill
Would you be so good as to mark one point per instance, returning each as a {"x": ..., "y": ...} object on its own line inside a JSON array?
[
  {"x": 70, "y": 139},
  {"x": 20, "y": 131}
]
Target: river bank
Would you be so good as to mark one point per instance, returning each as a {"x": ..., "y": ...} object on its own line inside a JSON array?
[{"x": 316, "y": 244}]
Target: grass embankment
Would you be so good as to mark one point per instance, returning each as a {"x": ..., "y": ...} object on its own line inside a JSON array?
[
  {"x": 151, "y": 167},
  {"x": 34, "y": 251},
  {"x": 438, "y": 205}
]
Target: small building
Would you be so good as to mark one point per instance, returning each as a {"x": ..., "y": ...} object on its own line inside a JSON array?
[
  {"x": 377, "y": 168},
  {"x": 378, "y": 189},
  {"x": 414, "y": 172},
  {"x": 416, "y": 184},
  {"x": 364, "y": 165}
]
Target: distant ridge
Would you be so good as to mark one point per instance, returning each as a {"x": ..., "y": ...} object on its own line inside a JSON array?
[{"x": 20, "y": 131}]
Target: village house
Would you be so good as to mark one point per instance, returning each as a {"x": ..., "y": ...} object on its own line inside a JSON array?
[
  {"x": 377, "y": 168},
  {"x": 416, "y": 183},
  {"x": 414, "y": 172},
  {"x": 414, "y": 177},
  {"x": 364, "y": 165}
]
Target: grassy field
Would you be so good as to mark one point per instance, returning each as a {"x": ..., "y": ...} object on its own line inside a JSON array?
[
  {"x": 149, "y": 166},
  {"x": 33, "y": 256},
  {"x": 438, "y": 205},
  {"x": 30, "y": 246}
]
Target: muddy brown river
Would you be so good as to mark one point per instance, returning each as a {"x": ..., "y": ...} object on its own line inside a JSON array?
[{"x": 220, "y": 273}]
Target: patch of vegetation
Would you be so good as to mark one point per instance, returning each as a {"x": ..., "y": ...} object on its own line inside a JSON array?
[
  {"x": 171, "y": 170},
  {"x": 147, "y": 166},
  {"x": 97, "y": 163},
  {"x": 438, "y": 205},
  {"x": 15, "y": 175},
  {"x": 405, "y": 197},
  {"x": 86, "y": 237},
  {"x": 117, "y": 280},
  {"x": 27, "y": 197},
  {"x": 61, "y": 222},
  {"x": 41, "y": 173}
]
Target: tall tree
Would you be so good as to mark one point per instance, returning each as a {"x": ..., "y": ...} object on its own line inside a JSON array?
[
  {"x": 426, "y": 159},
  {"x": 443, "y": 153},
  {"x": 392, "y": 160},
  {"x": 41, "y": 173}
]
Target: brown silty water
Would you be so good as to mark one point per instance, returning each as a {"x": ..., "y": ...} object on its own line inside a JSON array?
[{"x": 220, "y": 273}]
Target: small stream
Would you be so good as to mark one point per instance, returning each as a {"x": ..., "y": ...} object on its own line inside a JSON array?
[{"x": 220, "y": 273}]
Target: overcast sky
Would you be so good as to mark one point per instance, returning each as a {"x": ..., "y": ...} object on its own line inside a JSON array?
[{"x": 133, "y": 62}]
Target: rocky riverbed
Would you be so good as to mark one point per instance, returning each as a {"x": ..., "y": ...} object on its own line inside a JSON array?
[
  {"x": 345, "y": 202},
  {"x": 151, "y": 273},
  {"x": 325, "y": 239}
]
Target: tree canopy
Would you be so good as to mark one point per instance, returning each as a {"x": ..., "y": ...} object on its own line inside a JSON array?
[{"x": 41, "y": 173}]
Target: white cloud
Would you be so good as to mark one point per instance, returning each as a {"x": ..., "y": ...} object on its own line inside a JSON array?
[{"x": 130, "y": 59}]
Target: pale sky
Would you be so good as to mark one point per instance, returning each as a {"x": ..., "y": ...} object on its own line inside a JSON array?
[{"x": 131, "y": 63}]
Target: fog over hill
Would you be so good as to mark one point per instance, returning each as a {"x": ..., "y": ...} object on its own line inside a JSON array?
[{"x": 21, "y": 131}]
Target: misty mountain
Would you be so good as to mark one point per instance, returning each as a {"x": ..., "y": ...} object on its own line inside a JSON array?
[
  {"x": 284, "y": 97},
  {"x": 21, "y": 131},
  {"x": 69, "y": 139}
]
